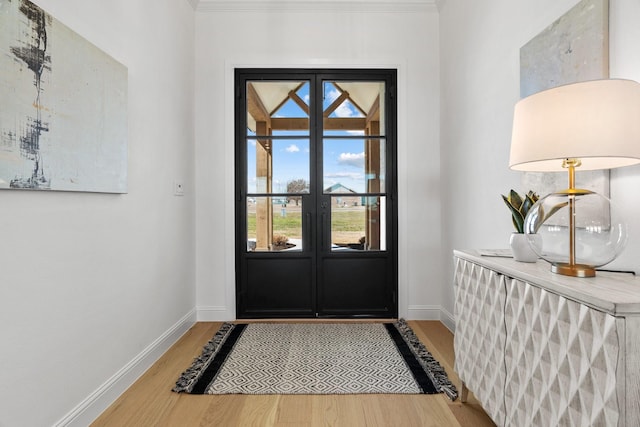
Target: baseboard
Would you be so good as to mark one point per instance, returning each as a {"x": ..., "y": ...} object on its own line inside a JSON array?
[
  {"x": 431, "y": 312},
  {"x": 91, "y": 407},
  {"x": 423, "y": 312},
  {"x": 214, "y": 314},
  {"x": 448, "y": 320}
]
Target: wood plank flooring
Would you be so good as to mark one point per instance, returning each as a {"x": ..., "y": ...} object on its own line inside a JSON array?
[{"x": 150, "y": 401}]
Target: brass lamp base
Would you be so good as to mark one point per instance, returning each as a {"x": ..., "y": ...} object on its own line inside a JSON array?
[{"x": 575, "y": 270}]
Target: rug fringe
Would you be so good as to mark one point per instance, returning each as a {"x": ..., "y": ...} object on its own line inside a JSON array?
[
  {"x": 433, "y": 368},
  {"x": 189, "y": 377}
]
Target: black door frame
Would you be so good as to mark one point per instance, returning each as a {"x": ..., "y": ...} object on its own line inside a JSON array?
[{"x": 315, "y": 201}]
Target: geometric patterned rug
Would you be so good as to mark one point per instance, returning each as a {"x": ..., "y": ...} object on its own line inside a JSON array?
[{"x": 315, "y": 358}]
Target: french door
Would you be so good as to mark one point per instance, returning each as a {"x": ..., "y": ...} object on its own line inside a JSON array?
[{"x": 316, "y": 211}]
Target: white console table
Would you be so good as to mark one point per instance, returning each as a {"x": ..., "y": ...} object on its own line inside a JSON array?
[{"x": 541, "y": 349}]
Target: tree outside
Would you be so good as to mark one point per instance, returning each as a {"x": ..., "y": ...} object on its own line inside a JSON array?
[{"x": 297, "y": 186}]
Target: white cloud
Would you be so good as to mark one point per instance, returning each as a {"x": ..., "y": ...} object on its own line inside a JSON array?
[
  {"x": 351, "y": 175},
  {"x": 293, "y": 148},
  {"x": 344, "y": 110},
  {"x": 351, "y": 159},
  {"x": 332, "y": 95}
]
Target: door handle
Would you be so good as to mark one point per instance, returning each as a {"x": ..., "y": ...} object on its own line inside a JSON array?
[
  {"x": 308, "y": 233},
  {"x": 323, "y": 232}
]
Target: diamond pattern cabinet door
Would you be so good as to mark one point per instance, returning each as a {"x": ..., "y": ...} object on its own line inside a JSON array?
[
  {"x": 479, "y": 340},
  {"x": 561, "y": 359},
  {"x": 630, "y": 376}
]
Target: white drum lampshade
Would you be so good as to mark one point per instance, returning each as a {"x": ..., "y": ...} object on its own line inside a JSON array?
[{"x": 587, "y": 125}]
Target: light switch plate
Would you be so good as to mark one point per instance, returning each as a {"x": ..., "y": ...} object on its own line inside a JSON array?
[{"x": 178, "y": 188}]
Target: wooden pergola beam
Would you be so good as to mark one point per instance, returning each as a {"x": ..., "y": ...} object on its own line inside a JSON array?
[
  {"x": 255, "y": 107},
  {"x": 374, "y": 113},
  {"x": 353, "y": 102},
  {"x": 294, "y": 96},
  {"x": 301, "y": 123},
  {"x": 335, "y": 104}
]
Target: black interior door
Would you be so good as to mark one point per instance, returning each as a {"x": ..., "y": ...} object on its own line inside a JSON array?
[{"x": 315, "y": 193}]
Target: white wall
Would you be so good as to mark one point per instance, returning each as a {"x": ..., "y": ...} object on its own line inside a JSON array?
[
  {"x": 307, "y": 35},
  {"x": 89, "y": 282},
  {"x": 480, "y": 43},
  {"x": 92, "y": 286}
]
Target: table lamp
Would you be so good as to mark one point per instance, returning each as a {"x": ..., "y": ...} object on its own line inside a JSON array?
[{"x": 588, "y": 125}]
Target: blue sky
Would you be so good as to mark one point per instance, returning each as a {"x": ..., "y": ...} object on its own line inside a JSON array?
[{"x": 343, "y": 159}]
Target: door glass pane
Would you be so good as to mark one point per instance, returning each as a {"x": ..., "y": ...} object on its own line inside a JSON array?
[
  {"x": 353, "y": 166},
  {"x": 358, "y": 223},
  {"x": 278, "y": 170},
  {"x": 278, "y": 107},
  {"x": 277, "y": 166},
  {"x": 354, "y": 107},
  {"x": 353, "y": 163},
  {"x": 274, "y": 224}
]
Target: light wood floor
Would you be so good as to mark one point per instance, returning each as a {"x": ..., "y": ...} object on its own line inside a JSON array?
[{"x": 150, "y": 402}]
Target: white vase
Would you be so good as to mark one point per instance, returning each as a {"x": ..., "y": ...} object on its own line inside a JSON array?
[{"x": 521, "y": 248}]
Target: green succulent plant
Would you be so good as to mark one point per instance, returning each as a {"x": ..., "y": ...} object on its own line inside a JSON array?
[{"x": 519, "y": 207}]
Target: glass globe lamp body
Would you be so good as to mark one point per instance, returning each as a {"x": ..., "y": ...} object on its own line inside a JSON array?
[{"x": 599, "y": 235}]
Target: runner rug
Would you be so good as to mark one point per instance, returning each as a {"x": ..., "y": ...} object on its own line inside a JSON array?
[{"x": 315, "y": 358}]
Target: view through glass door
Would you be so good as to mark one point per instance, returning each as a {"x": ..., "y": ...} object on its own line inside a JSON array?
[{"x": 315, "y": 184}]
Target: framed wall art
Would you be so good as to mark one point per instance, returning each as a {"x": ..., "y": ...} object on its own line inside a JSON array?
[
  {"x": 63, "y": 114},
  {"x": 572, "y": 49}
]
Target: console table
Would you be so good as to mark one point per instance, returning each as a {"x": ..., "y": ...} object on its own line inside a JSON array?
[{"x": 541, "y": 349}]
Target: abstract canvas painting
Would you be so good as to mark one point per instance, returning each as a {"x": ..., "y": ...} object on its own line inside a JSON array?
[
  {"x": 63, "y": 107},
  {"x": 572, "y": 49}
]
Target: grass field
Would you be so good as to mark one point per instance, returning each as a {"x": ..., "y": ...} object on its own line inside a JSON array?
[{"x": 347, "y": 223}]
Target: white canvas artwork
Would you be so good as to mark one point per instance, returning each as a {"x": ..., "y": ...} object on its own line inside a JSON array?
[
  {"x": 63, "y": 109},
  {"x": 572, "y": 49}
]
